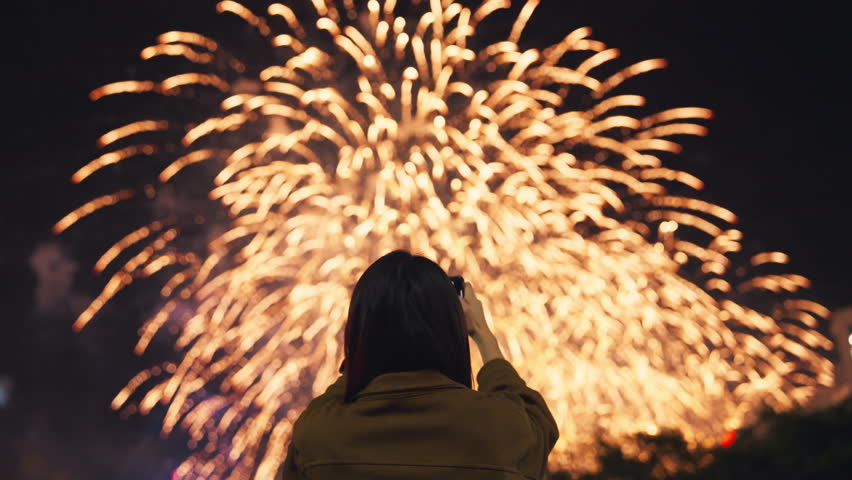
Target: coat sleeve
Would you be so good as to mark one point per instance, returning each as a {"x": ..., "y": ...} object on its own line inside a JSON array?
[
  {"x": 499, "y": 377},
  {"x": 289, "y": 470}
]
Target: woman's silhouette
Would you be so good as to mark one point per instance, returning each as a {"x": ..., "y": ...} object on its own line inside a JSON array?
[{"x": 403, "y": 407}]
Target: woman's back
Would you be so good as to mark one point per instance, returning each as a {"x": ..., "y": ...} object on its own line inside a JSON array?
[{"x": 423, "y": 425}]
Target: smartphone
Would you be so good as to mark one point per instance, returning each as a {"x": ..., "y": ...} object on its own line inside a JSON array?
[{"x": 458, "y": 283}]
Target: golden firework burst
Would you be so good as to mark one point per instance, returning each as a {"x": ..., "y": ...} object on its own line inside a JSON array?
[{"x": 384, "y": 127}]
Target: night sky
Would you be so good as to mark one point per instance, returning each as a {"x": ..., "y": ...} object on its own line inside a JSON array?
[{"x": 777, "y": 156}]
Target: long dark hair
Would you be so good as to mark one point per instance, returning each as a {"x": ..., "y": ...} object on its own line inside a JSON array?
[{"x": 404, "y": 315}]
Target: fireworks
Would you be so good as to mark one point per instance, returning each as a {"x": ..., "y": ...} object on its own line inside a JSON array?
[{"x": 383, "y": 127}]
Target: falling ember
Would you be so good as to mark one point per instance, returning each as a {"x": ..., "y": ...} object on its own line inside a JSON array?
[{"x": 608, "y": 286}]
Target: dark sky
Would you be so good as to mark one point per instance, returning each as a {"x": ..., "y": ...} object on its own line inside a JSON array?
[{"x": 777, "y": 155}]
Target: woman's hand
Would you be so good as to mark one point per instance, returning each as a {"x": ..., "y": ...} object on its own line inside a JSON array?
[{"x": 477, "y": 327}]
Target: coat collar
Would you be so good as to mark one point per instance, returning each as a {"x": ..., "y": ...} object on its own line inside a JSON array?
[{"x": 396, "y": 382}]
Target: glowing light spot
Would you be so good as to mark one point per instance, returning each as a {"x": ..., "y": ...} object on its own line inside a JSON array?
[{"x": 728, "y": 438}]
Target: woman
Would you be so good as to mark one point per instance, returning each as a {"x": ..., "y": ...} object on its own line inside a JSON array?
[{"x": 404, "y": 407}]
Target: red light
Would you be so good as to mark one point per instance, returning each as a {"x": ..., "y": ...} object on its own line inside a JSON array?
[{"x": 728, "y": 438}]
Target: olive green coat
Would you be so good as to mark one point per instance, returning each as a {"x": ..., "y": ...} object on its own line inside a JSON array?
[{"x": 422, "y": 425}]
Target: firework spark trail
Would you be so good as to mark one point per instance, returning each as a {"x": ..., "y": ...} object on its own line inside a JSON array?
[{"x": 379, "y": 131}]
